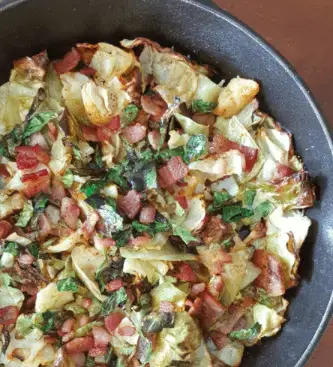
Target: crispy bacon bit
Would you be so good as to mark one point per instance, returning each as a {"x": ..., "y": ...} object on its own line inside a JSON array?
[
  {"x": 104, "y": 242},
  {"x": 25, "y": 259},
  {"x": 89, "y": 224},
  {"x": 114, "y": 285},
  {"x": 113, "y": 320},
  {"x": 86, "y": 303},
  {"x": 30, "y": 277},
  {"x": 5, "y": 228},
  {"x": 134, "y": 86},
  {"x": 105, "y": 132},
  {"x": 88, "y": 71},
  {"x": 283, "y": 171},
  {"x": 26, "y": 158},
  {"x": 52, "y": 131},
  {"x": 44, "y": 225},
  {"x": 101, "y": 336},
  {"x": 35, "y": 175},
  {"x": 41, "y": 154},
  {"x": 58, "y": 191},
  {"x": 97, "y": 351},
  {"x": 230, "y": 319},
  {"x": 35, "y": 183},
  {"x": 197, "y": 289},
  {"x": 8, "y": 315},
  {"x": 207, "y": 119},
  {"x": 78, "y": 345},
  {"x": 154, "y": 138},
  {"x": 68, "y": 62},
  {"x": 87, "y": 51},
  {"x": 211, "y": 310},
  {"x": 215, "y": 230},
  {"x": 214, "y": 260},
  {"x": 154, "y": 105},
  {"x": 166, "y": 306},
  {"x": 147, "y": 214},
  {"x": 90, "y": 133},
  {"x": 134, "y": 133},
  {"x": 185, "y": 273},
  {"x": 173, "y": 171},
  {"x": 216, "y": 285},
  {"x": 271, "y": 277},
  {"x": 219, "y": 339},
  {"x": 3, "y": 170},
  {"x": 259, "y": 231},
  {"x": 114, "y": 124},
  {"x": 130, "y": 204},
  {"x": 195, "y": 309},
  {"x": 221, "y": 144},
  {"x": 182, "y": 201},
  {"x": 126, "y": 330},
  {"x": 140, "y": 240},
  {"x": 70, "y": 212},
  {"x": 79, "y": 359}
]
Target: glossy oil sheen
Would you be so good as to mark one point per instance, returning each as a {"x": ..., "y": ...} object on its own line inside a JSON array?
[{"x": 216, "y": 38}]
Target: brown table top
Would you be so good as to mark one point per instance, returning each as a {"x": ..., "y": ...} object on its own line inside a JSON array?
[{"x": 301, "y": 30}]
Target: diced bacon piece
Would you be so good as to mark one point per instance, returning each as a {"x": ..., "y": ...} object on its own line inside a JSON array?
[
  {"x": 38, "y": 139},
  {"x": 207, "y": 119},
  {"x": 216, "y": 285},
  {"x": 147, "y": 214},
  {"x": 282, "y": 171},
  {"x": 215, "y": 230},
  {"x": 68, "y": 62},
  {"x": 219, "y": 339},
  {"x": 221, "y": 144},
  {"x": 89, "y": 224},
  {"x": 83, "y": 344},
  {"x": 240, "y": 324},
  {"x": 197, "y": 289},
  {"x": 154, "y": 105},
  {"x": 53, "y": 214},
  {"x": 211, "y": 310},
  {"x": 35, "y": 175},
  {"x": 248, "y": 302},
  {"x": 68, "y": 326},
  {"x": 35, "y": 183},
  {"x": 101, "y": 336},
  {"x": 134, "y": 133},
  {"x": 271, "y": 276},
  {"x": 104, "y": 133},
  {"x": 8, "y": 315},
  {"x": 214, "y": 260},
  {"x": 88, "y": 71},
  {"x": 130, "y": 204},
  {"x": 185, "y": 273},
  {"x": 41, "y": 154},
  {"x": 52, "y": 131},
  {"x": 195, "y": 309},
  {"x": 97, "y": 351},
  {"x": 5, "y": 228},
  {"x": 79, "y": 359},
  {"x": 126, "y": 330},
  {"x": 60, "y": 231},
  {"x": 182, "y": 201},
  {"x": 66, "y": 337},
  {"x": 140, "y": 240},
  {"x": 114, "y": 285},
  {"x": 58, "y": 191},
  {"x": 166, "y": 306},
  {"x": 173, "y": 171},
  {"x": 113, "y": 126},
  {"x": 113, "y": 320},
  {"x": 25, "y": 259},
  {"x": 83, "y": 320},
  {"x": 49, "y": 339},
  {"x": 26, "y": 158},
  {"x": 103, "y": 242},
  {"x": 154, "y": 138},
  {"x": 44, "y": 225},
  {"x": 3, "y": 170},
  {"x": 86, "y": 303},
  {"x": 230, "y": 319},
  {"x": 70, "y": 212},
  {"x": 90, "y": 133}
]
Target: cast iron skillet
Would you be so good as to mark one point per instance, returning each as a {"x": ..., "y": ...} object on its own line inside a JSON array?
[{"x": 214, "y": 37}]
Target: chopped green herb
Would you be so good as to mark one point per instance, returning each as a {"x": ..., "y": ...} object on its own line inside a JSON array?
[
  {"x": 246, "y": 334},
  {"x": 68, "y": 178},
  {"x": 115, "y": 174},
  {"x": 98, "y": 157},
  {"x": 219, "y": 199},
  {"x": 48, "y": 321},
  {"x": 34, "y": 249},
  {"x": 235, "y": 212},
  {"x": 40, "y": 202},
  {"x": 152, "y": 228},
  {"x": 14, "y": 138},
  {"x": 196, "y": 147},
  {"x": 12, "y": 248},
  {"x": 111, "y": 202},
  {"x": 77, "y": 152},
  {"x": 264, "y": 209},
  {"x": 3, "y": 151},
  {"x": 37, "y": 122},
  {"x": 166, "y": 154},
  {"x": 117, "y": 298},
  {"x": 184, "y": 234},
  {"x": 67, "y": 284},
  {"x": 90, "y": 362},
  {"x": 122, "y": 237},
  {"x": 25, "y": 214},
  {"x": 92, "y": 187},
  {"x": 198, "y": 105},
  {"x": 130, "y": 113},
  {"x": 249, "y": 196}
]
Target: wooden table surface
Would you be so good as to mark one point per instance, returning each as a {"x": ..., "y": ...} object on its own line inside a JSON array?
[{"x": 301, "y": 30}]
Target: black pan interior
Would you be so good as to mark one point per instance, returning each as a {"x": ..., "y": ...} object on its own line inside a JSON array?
[{"x": 27, "y": 27}]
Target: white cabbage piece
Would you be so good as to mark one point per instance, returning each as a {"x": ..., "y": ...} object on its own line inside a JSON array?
[
  {"x": 53, "y": 89},
  {"x": 269, "y": 320},
  {"x": 14, "y": 237},
  {"x": 60, "y": 156},
  {"x": 235, "y": 96},
  {"x": 7, "y": 260},
  {"x": 10, "y": 296},
  {"x": 226, "y": 164},
  {"x": 191, "y": 127},
  {"x": 101, "y": 103},
  {"x": 177, "y": 140},
  {"x": 229, "y": 184},
  {"x": 110, "y": 61},
  {"x": 206, "y": 90},
  {"x": 153, "y": 270},
  {"x": 66, "y": 244},
  {"x": 195, "y": 215},
  {"x": 86, "y": 261},
  {"x": 168, "y": 292},
  {"x": 110, "y": 190},
  {"x": 231, "y": 354},
  {"x": 11, "y": 204},
  {"x": 49, "y": 298},
  {"x": 72, "y": 94},
  {"x": 86, "y": 151}
]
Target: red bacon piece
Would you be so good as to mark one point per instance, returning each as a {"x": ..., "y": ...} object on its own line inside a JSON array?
[
  {"x": 68, "y": 62},
  {"x": 154, "y": 105},
  {"x": 113, "y": 320},
  {"x": 70, "y": 212},
  {"x": 114, "y": 285},
  {"x": 8, "y": 315},
  {"x": 83, "y": 344},
  {"x": 147, "y": 214},
  {"x": 5, "y": 228},
  {"x": 135, "y": 133},
  {"x": 173, "y": 171},
  {"x": 130, "y": 204},
  {"x": 185, "y": 273}
]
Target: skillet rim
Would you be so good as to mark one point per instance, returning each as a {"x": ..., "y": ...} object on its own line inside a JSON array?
[{"x": 292, "y": 72}]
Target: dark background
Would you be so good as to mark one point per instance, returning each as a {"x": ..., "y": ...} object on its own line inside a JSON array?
[{"x": 301, "y": 30}]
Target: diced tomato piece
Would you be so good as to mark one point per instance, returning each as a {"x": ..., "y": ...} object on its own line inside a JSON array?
[
  {"x": 197, "y": 289},
  {"x": 130, "y": 204},
  {"x": 173, "y": 171},
  {"x": 196, "y": 307},
  {"x": 182, "y": 201},
  {"x": 70, "y": 212},
  {"x": 41, "y": 154},
  {"x": 271, "y": 277},
  {"x": 26, "y": 157},
  {"x": 8, "y": 315},
  {"x": 36, "y": 182},
  {"x": 221, "y": 144},
  {"x": 68, "y": 62},
  {"x": 101, "y": 336},
  {"x": 97, "y": 351},
  {"x": 3, "y": 170},
  {"x": 185, "y": 273},
  {"x": 211, "y": 310},
  {"x": 147, "y": 214},
  {"x": 126, "y": 330},
  {"x": 154, "y": 105},
  {"x": 58, "y": 191},
  {"x": 88, "y": 71},
  {"x": 78, "y": 345},
  {"x": 113, "y": 320},
  {"x": 114, "y": 285},
  {"x": 5, "y": 228},
  {"x": 90, "y": 133},
  {"x": 166, "y": 306},
  {"x": 134, "y": 133},
  {"x": 219, "y": 339}
]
